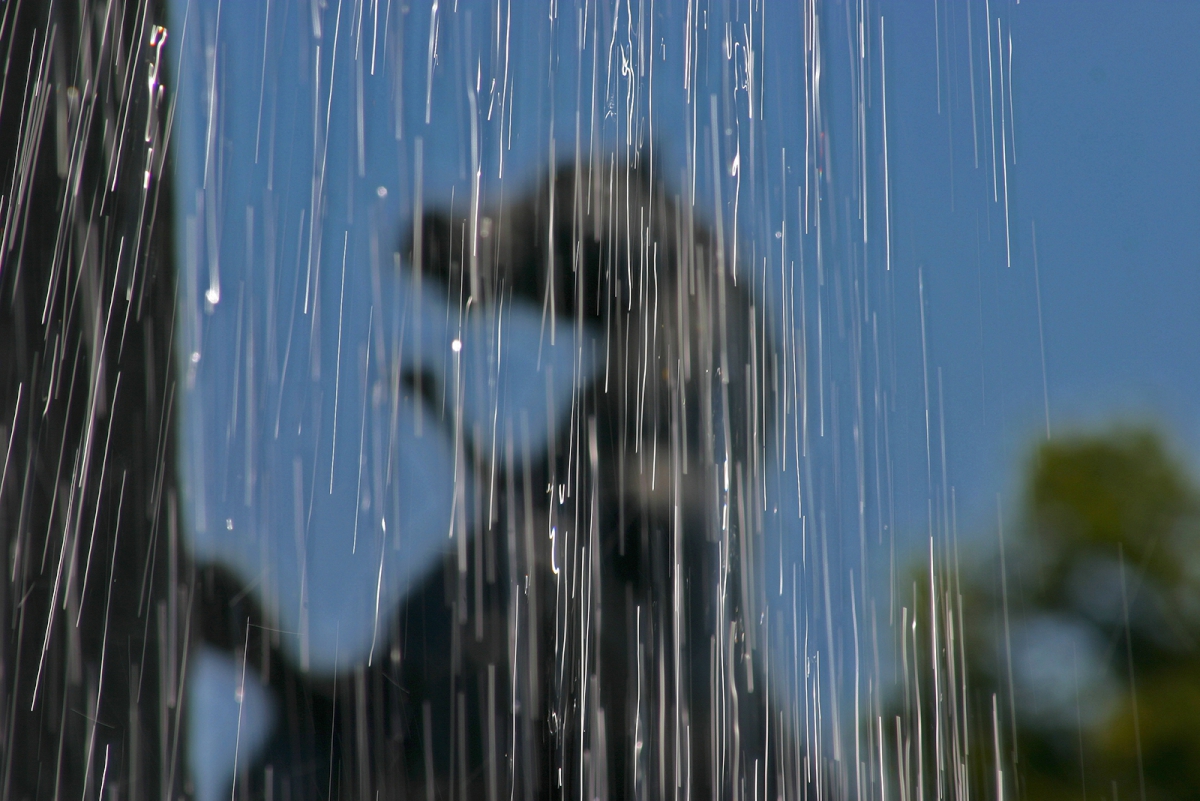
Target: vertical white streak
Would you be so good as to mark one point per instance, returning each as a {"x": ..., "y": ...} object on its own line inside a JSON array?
[
  {"x": 887, "y": 184},
  {"x": 337, "y": 382},
  {"x": 1037, "y": 283},
  {"x": 362, "y": 429}
]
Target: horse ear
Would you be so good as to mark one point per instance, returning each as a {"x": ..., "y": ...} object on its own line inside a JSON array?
[{"x": 437, "y": 245}]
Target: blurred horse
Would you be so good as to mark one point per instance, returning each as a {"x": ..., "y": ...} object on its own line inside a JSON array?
[{"x": 595, "y": 633}]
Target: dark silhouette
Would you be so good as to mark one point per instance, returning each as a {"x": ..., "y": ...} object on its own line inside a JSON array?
[
  {"x": 618, "y": 657},
  {"x": 93, "y": 600}
]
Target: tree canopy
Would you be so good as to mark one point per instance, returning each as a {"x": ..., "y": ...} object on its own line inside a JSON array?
[{"x": 1076, "y": 669}]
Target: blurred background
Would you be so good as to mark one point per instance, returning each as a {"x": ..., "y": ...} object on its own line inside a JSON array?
[{"x": 968, "y": 225}]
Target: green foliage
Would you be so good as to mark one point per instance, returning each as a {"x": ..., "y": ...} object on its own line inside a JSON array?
[
  {"x": 1102, "y": 581},
  {"x": 1090, "y": 502},
  {"x": 1104, "y": 495}
]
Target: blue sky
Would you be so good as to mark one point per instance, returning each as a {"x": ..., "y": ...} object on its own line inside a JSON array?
[{"x": 1106, "y": 102}]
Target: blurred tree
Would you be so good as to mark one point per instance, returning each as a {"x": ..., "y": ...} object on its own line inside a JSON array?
[
  {"x": 1113, "y": 520},
  {"x": 1080, "y": 632}
]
